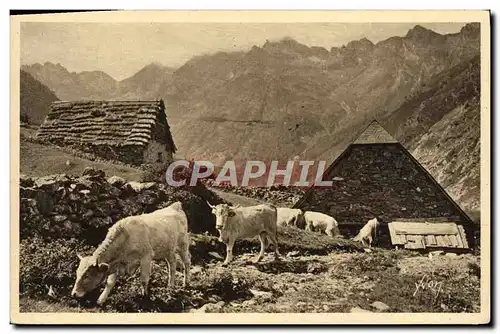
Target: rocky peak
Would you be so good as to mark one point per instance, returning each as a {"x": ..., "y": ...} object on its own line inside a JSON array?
[
  {"x": 421, "y": 34},
  {"x": 470, "y": 29},
  {"x": 286, "y": 44},
  {"x": 364, "y": 45}
]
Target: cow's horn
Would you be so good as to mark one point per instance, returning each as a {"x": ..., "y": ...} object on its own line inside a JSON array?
[
  {"x": 210, "y": 205},
  {"x": 79, "y": 256}
]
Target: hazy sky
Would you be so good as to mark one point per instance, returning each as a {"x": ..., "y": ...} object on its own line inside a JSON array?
[{"x": 121, "y": 49}]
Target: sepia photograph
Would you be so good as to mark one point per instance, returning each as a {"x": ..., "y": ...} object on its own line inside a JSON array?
[{"x": 250, "y": 167}]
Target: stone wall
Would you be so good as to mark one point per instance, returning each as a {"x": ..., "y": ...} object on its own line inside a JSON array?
[
  {"x": 151, "y": 153},
  {"x": 61, "y": 206}
]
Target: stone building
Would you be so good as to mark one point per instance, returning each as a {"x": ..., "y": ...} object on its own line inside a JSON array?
[
  {"x": 375, "y": 176},
  {"x": 132, "y": 132}
]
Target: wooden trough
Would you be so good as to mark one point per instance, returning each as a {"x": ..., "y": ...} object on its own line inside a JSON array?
[{"x": 427, "y": 235}]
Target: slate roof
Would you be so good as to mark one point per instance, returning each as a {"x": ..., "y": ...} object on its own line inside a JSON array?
[{"x": 111, "y": 123}]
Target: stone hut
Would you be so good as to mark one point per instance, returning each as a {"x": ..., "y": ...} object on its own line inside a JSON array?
[
  {"x": 375, "y": 176},
  {"x": 132, "y": 132}
]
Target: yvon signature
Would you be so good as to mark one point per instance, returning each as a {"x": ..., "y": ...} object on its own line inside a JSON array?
[{"x": 426, "y": 283}]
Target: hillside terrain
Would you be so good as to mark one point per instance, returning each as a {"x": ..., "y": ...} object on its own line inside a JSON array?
[
  {"x": 440, "y": 126},
  {"x": 285, "y": 99},
  {"x": 35, "y": 99}
]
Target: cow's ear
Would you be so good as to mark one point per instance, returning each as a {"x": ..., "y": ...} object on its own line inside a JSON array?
[
  {"x": 231, "y": 213},
  {"x": 103, "y": 266}
]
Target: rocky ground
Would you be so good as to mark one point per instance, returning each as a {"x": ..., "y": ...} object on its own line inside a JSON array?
[
  {"x": 316, "y": 273},
  {"x": 340, "y": 281}
]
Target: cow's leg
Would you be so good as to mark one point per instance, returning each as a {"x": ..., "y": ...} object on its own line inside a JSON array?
[
  {"x": 229, "y": 251},
  {"x": 370, "y": 240},
  {"x": 172, "y": 268},
  {"x": 363, "y": 241},
  {"x": 110, "y": 283},
  {"x": 263, "y": 245},
  {"x": 328, "y": 232},
  {"x": 274, "y": 238},
  {"x": 186, "y": 261},
  {"x": 145, "y": 273}
]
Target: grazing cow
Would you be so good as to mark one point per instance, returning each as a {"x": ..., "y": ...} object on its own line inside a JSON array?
[
  {"x": 134, "y": 242},
  {"x": 246, "y": 222},
  {"x": 368, "y": 233},
  {"x": 317, "y": 221},
  {"x": 289, "y": 217}
]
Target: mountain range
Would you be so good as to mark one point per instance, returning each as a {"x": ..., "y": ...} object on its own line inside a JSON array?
[{"x": 285, "y": 99}]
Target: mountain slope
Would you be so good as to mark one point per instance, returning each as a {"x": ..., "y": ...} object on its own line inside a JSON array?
[
  {"x": 146, "y": 83},
  {"x": 441, "y": 127},
  {"x": 35, "y": 99}
]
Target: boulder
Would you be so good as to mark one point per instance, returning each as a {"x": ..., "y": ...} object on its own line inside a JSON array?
[
  {"x": 116, "y": 181},
  {"x": 379, "y": 306},
  {"x": 263, "y": 295},
  {"x": 89, "y": 171},
  {"x": 26, "y": 181},
  {"x": 51, "y": 183}
]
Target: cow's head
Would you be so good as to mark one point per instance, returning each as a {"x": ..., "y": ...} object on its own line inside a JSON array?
[
  {"x": 374, "y": 222},
  {"x": 89, "y": 275},
  {"x": 300, "y": 221},
  {"x": 222, "y": 213}
]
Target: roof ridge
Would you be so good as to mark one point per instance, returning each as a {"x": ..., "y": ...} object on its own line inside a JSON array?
[{"x": 374, "y": 133}]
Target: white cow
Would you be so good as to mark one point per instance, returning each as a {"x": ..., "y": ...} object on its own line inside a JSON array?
[
  {"x": 134, "y": 242},
  {"x": 317, "y": 221},
  {"x": 289, "y": 217},
  {"x": 246, "y": 222},
  {"x": 368, "y": 233}
]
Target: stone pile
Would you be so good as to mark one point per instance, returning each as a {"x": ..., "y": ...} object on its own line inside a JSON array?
[{"x": 84, "y": 207}]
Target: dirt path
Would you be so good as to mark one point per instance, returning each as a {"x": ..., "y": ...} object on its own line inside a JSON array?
[{"x": 235, "y": 198}]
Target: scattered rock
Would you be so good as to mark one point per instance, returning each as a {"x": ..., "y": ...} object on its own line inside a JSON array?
[
  {"x": 293, "y": 253},
  {"x": 380, "y": 306},
  {"x": 338, "y": 178},
  {"x": 196, "y": 270},
  {"x": 315, "y": 268},
  {"x": 261, "y": 294},
  {"x": 451, "y": 254},
  {"x": 59, "y": 218},
  {"x": 89, "y": 171},
  {"x": 249, "y": 302},
  {"x": 216, "y": 255},
  {"x": 435, "y": 253},
  {"x": 116, "y": 181},
  {"x": 301, "y": 304},
  {"x": 359, "y": 310},
  {"x": 326, "y": 308},
  {"x": 367, "y": 250},
  {"x": 52, "y": 293}
]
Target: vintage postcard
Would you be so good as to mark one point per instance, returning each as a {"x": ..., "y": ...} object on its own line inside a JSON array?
[{"x": 250, "y": 167}]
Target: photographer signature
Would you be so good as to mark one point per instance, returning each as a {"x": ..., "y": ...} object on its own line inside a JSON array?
[{"x": 427, "y": 283}]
